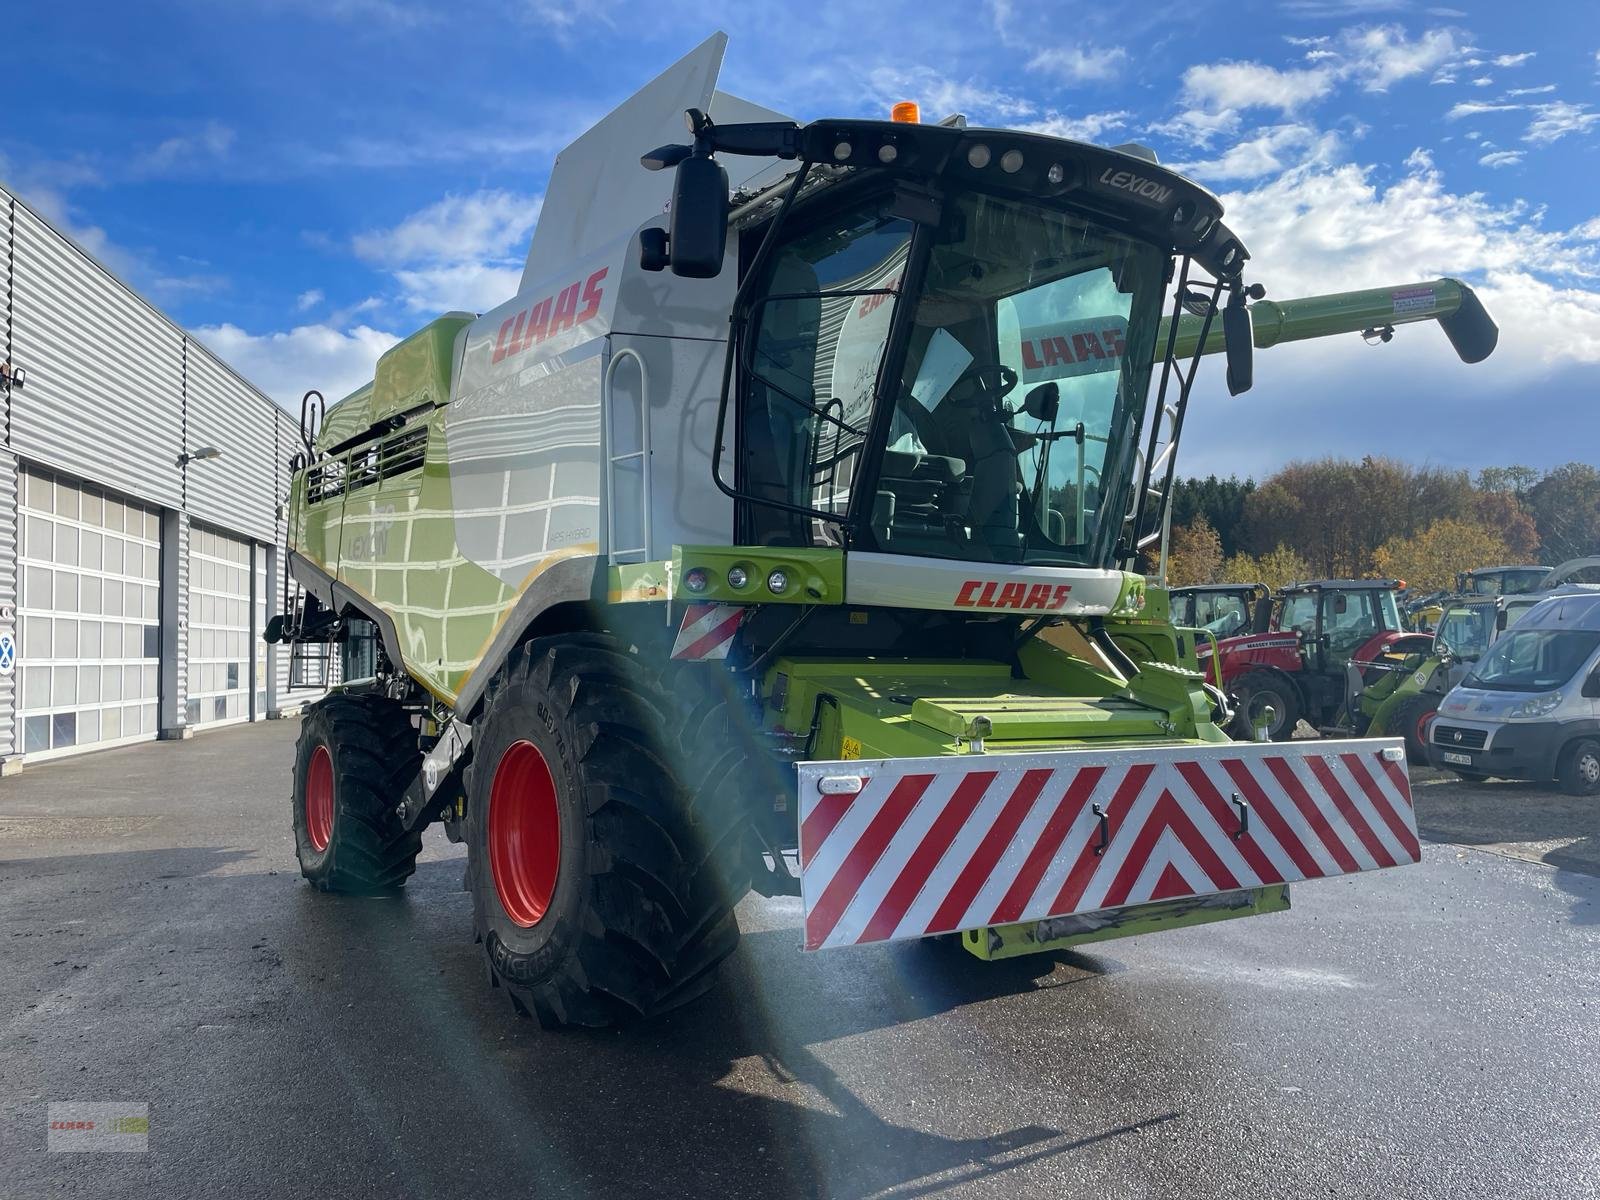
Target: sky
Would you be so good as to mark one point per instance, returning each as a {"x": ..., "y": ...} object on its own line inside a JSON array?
[{"x": 301, "y": 182}]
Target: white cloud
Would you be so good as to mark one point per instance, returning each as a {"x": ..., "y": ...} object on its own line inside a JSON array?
[
  {"x": 1090, "y": 127},
  {"x": 1075, "y": 64},
  {"x": 1267, "y": 152},
  {"x": 284, "y": 364},
  {"x": 1234, "y": 86},
  {"x": 1375, "y": 57},
  {"x": 1556, "y": 120},
  {"x": 1513, "y": 60},
  {"x": 1473, "y": 108},
  {"x": 1501, "y": 158},
  {"x": 461, "y": 252},
  {"x": 1381, "y": 55},
  {"x": 308, "y": 299},
  {"x": 1329, "y": 228},
  {"x": 211, "y": 142},
  {"x": 1532, "y": 91},
  {"x": 486, "y": 224},
  {"x": 1483, "y": 81},
  {"x": 476, "y": 287}
]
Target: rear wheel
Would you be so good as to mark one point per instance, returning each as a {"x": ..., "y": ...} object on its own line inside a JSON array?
[
  {"x": 1411, "y": 721},
  {"x": 1259, "y": 689},
  {"x": 600, "y": 890},
  {"x": 1579, "y": 772},
  {"x": 355, "y": 756}
]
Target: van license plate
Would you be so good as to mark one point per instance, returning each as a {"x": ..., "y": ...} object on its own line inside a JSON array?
[{"x": 1460, "y": 760}]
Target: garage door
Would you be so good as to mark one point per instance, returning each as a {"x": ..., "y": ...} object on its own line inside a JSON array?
[
  {"x": 89, "y": 629},
  {"x": 220, "y": 652}
]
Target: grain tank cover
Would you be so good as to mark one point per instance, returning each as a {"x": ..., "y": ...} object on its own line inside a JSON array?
[
  {"x": 597, "y": 193},
  {"x": 416, "y": 372}
]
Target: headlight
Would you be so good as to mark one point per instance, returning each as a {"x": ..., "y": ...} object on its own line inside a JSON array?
[
  {"x": 737, "y": 577},
  {"x": 778, "y": 582},
  {"x": 1534, "y": 707},
  {"x": 695, "y": 579}
]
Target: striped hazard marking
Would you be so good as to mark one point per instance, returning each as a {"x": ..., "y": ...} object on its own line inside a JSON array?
[
  {"x": 707, "y": 631},
  {"x": 901, "y": 849}
]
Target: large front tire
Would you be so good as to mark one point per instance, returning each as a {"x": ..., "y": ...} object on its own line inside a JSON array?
[
  {"x": 355, "y": 756},
  {"x": 600, "y": 891},
  {"x": 1259, "y": 689},
  {"x": 1411, "y": 721}
]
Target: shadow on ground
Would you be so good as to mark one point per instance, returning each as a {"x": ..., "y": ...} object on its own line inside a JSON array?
[{"x": 169, "y": 977}]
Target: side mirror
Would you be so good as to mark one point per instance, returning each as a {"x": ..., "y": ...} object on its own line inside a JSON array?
[
  {"x": 1043, "y": 403},
  {"x": 1500, "y": 620},
  {"x": 1238, "y": 339},
  {"x": 699, "y": 232}
]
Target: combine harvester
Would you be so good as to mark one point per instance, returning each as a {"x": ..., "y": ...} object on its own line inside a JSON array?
[{"x": 789, "y": 541}]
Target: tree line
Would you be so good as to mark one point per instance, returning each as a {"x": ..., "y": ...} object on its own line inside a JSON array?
[{"x": 1380, "y": 517}]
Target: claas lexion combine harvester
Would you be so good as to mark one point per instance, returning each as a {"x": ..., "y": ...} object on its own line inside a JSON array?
[{"x": 790, "y": 541}]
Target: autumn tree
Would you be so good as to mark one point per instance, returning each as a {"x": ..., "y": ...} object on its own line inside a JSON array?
[
  {"x": 1220, "y": 501},
  {"x": 1430, "y": 560},
  {"x": 1566, "y": 507},
  {"x": 1195, "y": 555},
  {"x": 1277, "y": 568}
]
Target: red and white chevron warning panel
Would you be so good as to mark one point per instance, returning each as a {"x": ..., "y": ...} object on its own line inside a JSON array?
[
  {"x": 905, "y": 848},
  {"x": 707, "y": 631}
]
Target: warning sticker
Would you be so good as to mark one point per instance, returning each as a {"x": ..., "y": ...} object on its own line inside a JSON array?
[
  {"x": 1408, "y": 300},
  {"x": 849, "y": 748},
  {"x": 8, "y": 652}
]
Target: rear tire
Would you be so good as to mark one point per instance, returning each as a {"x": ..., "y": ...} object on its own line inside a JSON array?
[
  {"x": 630, "y": 911},
  {"x": 1259, "y": 688},
  {"x": 1411, "y": 721},
  {"x": 355, "y": 756},
  {"x": 1579, "y": 773}
]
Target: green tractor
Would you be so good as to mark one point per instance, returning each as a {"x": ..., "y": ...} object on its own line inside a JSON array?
[
  {"x": 1397, "y": 693},
  {"x": 786, "y": 542}
]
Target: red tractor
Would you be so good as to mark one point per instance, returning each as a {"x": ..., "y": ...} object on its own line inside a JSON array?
[{"x": 1293, "y": 652}]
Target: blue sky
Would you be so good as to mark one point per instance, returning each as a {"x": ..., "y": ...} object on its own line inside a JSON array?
[{"x": 301, "y": 181}]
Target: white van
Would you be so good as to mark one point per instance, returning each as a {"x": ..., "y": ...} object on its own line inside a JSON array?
[{"x": 1530, "y": 708}]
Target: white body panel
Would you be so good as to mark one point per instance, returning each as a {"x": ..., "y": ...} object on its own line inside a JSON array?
[{"x": 902, "y": 581}]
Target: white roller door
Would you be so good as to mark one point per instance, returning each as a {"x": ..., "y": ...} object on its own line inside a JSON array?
[
  {"x": 89, "y": 627},
  {"x": 220, "y": 654}
]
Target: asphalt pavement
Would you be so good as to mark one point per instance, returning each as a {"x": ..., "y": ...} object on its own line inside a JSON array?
[{"x": 1428, "y": 1031}]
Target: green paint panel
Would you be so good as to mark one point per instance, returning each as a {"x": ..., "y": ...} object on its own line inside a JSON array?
[
  {"x": 1040, "y": 716},
  {"x": 417, "y": 371},
  {"x": 814, "y": 576}
]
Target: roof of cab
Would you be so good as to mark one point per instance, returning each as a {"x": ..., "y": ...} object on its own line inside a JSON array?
[{"x": 1572, "y": 610}]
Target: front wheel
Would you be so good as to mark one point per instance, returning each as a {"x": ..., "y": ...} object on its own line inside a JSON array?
[
  {"x": 1257, "y": 691},
  {"x": 600, "y": 890},
  {"x": 1411, "y": 721},
  {"x": 1579, "y": 773}
]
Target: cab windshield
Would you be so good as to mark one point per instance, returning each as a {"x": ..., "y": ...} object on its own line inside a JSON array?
[
  {"x": 1013, "y": 405},
  {"x": 1466, "y": 632},
  {"x": 1533, "y": 660}
]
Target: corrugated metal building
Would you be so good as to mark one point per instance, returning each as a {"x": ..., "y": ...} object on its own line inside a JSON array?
[{"x": 134, "y": 581}]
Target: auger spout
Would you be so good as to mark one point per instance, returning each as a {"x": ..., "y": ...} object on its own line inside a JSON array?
[{"x": 1452, "y": 303}]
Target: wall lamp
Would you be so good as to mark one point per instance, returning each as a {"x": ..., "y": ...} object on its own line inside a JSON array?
[{"x": 198, "y": 454}]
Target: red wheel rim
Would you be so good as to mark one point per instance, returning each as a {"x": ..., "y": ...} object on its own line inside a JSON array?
[
  {"x": 319, "y": 798},
  {"x": 524, "y": 833},
  {"x": 1423, "y": 722}
]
